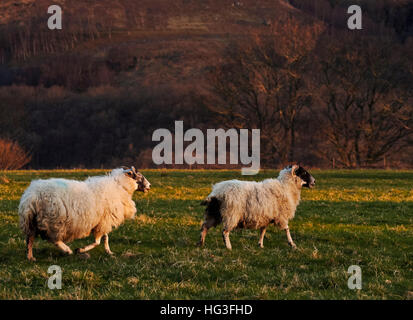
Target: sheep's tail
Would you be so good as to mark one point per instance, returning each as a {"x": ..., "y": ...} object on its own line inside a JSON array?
[
  {"x": 213, "y": 209},
  {"x": 27, "y": 216}
]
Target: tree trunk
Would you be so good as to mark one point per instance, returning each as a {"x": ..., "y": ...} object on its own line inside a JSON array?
[{"x": 292, "y": 144}]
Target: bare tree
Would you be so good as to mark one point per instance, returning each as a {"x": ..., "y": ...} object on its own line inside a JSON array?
[
  {"x": 12, "y": 156},
  {"x": 364, "y": 88},
  {"x": 263, "y": 85}
]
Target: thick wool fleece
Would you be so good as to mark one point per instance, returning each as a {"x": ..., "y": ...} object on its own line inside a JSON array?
[
  {"x": 60, "y": 209},
  {"x": 254, "y": 205}
]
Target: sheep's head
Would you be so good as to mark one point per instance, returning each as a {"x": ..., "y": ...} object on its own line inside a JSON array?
[
  {"x": 307, "y": 180},
  {"x": 141, "y": 183}
]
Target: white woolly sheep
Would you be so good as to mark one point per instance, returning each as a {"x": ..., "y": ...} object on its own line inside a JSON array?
[
  {"x": 61, "y": 210},
  {"x": 254, "y": 205}
]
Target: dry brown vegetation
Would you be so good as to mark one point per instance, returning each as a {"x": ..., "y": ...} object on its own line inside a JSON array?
[
  {"x": 91, "y": 94},
  {"x": 12, "y": 156}
]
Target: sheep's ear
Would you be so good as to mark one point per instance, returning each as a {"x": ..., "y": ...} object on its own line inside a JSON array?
[{"x": 293, "y": 169}]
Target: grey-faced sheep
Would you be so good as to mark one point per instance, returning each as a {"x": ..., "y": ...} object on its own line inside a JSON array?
[
  {"x": 254, "y": 205},
  {"x": 61, "y": 210}
]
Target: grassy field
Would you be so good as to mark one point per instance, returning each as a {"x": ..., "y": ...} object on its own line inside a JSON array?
[{"x": 360, "y": 218}]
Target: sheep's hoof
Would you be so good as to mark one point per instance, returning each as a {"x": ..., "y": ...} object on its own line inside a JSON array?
[
  {"x": 260, "y": 245},
  {"x": 200, "y": 244},
  {"x": 32, "y": 259},
  {"x": 110, "y": 253},
  {"x": 77, "y": 251},
  {"x": 84, "y": 255},
  {"x": 293, "y": 245}
]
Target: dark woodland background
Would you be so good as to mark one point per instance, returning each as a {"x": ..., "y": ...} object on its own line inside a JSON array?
[{"x": 92, "y": 94}]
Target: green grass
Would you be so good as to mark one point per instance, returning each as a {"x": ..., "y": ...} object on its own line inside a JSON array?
[{"x": 352, "y": 217}]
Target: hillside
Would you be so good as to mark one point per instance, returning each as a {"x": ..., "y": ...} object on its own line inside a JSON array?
[
  {"x": 151, "y": 62},
  {"x": 150, "y": 39},
  {"x": 160, "y": 40},
  {"x": 157, "y": 14}
]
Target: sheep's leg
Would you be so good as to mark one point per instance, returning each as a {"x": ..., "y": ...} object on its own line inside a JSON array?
[
  {"x": 225, "y": 235},
  {"x": 204, "y": 230},
  {"x": 261, "y": 241},
  {"x": 290, "y": 240},
  {"x": 107, "y": 248},
  {"x": 29, "y": 242},
  {"x": 90, "y": 246},
  {"x": 62, "y": 246}
]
